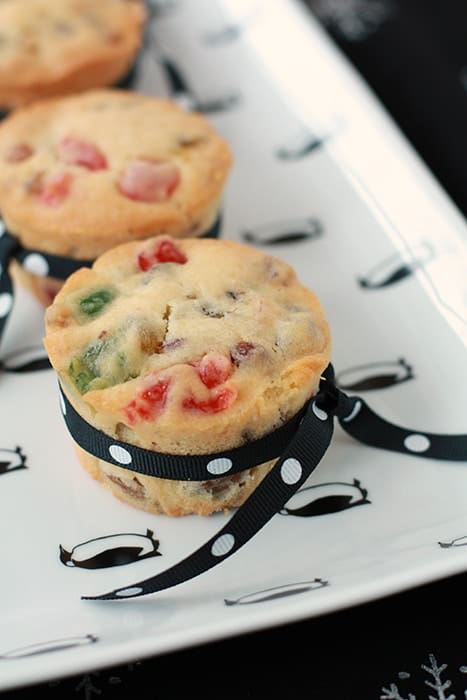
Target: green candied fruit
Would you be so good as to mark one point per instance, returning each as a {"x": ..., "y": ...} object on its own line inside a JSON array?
[
  {"x": 85, "y": 369},
  {"x": 101, "y": 365},
  {"x": 104, "y": 363},
  {"x": 93, "y": 304},
  {"x": 116, "y": 355}
]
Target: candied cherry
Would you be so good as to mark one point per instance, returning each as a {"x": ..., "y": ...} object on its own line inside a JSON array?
[
  {"x": 149, "y": 402},
  {"x": 148, "y": 181},
  {"x": 164, "y": 251},
  {"x": 56, "y": 189},
  {"x": 218, "y": 401},
  {"x": 214, "y": 369},
  {"x": 75, "y": 151}
]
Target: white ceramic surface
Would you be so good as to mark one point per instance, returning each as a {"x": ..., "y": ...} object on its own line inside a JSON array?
[{"x": 314, "y": 154}]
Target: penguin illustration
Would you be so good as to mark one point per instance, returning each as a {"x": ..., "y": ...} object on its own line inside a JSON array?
[
  {"x": 48, "y": 646},
  {"x": 111, "y": 550},
  {"x": 304, "y": 146},
  {"x": 323, "y": 499},
  {"x": 277, "y": 592},
  {"x": 179, "y": 88},
  {"x": 397, "y": 268},
  {"x": 374, "y": 375},
  {"x": 288, "y": 231},
  {"x": 457, "y": 542},
  {"x": 30, "y": 359},
  {"x": 181, "y": 92},
  {"x": 11, "y": 460}
]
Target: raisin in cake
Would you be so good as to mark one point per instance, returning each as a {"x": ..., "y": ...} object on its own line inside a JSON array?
[
  {"x": 57, "y": 47},
  {"x": 186, "y": 347},
  {"x": 82, "y": 173}
]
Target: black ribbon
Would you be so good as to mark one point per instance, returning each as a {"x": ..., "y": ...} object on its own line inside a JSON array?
[
  {"x": 43, "y": 264},
  {"x": 299, "y": 445},
  {"x": 177, "y": 467}
]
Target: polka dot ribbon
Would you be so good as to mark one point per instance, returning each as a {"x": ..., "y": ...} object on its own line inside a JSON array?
[
  {"x": 170, "y": 466},
  {"x": 299, "y": 447},
  {"x": 42, "y": 264},
  {"x": 31, "y": 260}
]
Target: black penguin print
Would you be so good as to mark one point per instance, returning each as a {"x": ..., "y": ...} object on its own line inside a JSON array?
[
  {"x": 11, "y": 460},
  {"x": 285, "y": 231},
  {"x": 111, "y": 550},
  {"x": 326, "y": 498},
  {"x": 375, "y": 375},
  {"x": 268, "y": 594}
]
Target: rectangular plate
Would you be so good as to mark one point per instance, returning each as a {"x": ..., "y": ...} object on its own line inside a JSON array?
[{"x": 323, "y": 179}]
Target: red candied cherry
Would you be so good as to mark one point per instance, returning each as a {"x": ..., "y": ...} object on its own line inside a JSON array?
[
  {"x": 218, "y": 401},
  {"x": 164, "y": 251},
  {"x": 149, "y": 402},
  {"x": 214, "y": 369},
  {"x": 77, "y": 152},
  {"x": 18, "y": 152},
  {"x": 56, "y": 189},
  {"x": 149, "y": 181}
]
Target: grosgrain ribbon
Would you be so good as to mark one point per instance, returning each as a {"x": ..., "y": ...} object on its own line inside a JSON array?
[
  {"x": 43, "y": 264},
  {"x": 299, "y": 445},
  {"x": 8, "y": 249},
  {"x": 33, "y": 260},
  {"x": 172, "y": 466},
  {"x": 299, "y": 459}
]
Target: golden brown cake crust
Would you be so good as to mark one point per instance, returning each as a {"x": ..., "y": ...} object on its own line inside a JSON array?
[
  {"x": 175, "y": 498},
  {"x": 57, "y": 47},
  {"x": 189, "y": 346},
  {"x": 86, "y": 210}
]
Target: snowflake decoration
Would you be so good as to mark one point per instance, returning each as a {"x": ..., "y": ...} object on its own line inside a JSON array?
[{"x": 436, "y": 684}]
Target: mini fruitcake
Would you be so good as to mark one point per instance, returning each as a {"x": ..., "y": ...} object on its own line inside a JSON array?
[
  {"x": 83, "y": 173},
  {"x": 187, "y": 347},
  {"x": 57, "y": 47}
]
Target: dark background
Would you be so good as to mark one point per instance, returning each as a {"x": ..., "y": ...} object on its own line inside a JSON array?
[
  {"x": 411, "y": 646},
  {"x": 413, "y": 54}
]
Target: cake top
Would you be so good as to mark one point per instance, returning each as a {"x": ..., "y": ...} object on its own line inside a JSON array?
[
  {"x": 187, "y": 345},
  {"x": 79, "y": 174},
  {"x": 46, "y": 44}
]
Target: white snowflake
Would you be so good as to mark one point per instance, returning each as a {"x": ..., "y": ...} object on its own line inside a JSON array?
[
  {"x": 436, "y": 683},
  {"x": 354, "y": 20}
]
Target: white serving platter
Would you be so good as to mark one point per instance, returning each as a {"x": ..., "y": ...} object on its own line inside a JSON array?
[{"x": 323, "y": 179}]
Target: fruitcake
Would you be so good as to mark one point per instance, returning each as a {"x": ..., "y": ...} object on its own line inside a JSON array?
[
  {"x": 83, "y": 173},
  {"x": 58, "y": 47},
  {"x": 184, "y": 347}
]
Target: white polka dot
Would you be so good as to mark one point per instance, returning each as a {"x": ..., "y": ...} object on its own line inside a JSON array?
[
  {"x": 62, "y": 404},
  {"x": 120, "y": 455},
  {"x": 319, "y": 413},
  {"x": 222, "y": 545},
  {"x": 291, "y": 471},
  {"x": 126, "y": 592},
  {"x": 417, "y": 443},
  {"x": 353, "y": 412},
  {"x": 6, "y": 302},
  {"x": 219, "y": 466},
  {"x": 2, "y": 228},
  {"x": 37, "y": 264}
]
